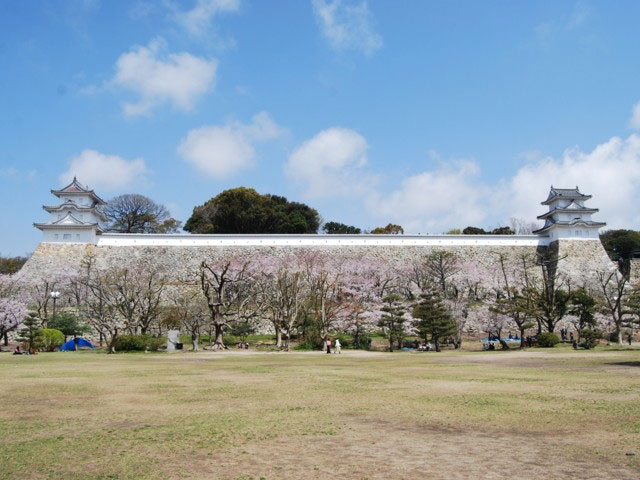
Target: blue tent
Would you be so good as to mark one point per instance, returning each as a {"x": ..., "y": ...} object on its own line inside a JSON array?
[{"x": 71, "y": 347}]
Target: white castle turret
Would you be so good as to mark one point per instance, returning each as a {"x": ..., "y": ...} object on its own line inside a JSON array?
[
  {"x": 77, "y": 218},
  {"x": 568, "y": 218}
]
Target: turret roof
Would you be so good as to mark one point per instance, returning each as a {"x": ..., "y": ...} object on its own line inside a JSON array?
[
  {"x": 71, "y": 204},
  {"x": 565, "y": 193},
  {"x": 76, "y": 188},
  {"x": 550, "y": 223}
]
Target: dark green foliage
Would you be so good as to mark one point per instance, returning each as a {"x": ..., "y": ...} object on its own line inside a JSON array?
[
  {"x": 333, "y": 228},
  {"x": 392, "y": 320},
  {"x": 474, "y": 231},
  {"x": 49, "y": 339},
  {"x": 502, "y": 231},
  {"x": 242, "y": 330},
  {"x": 548, "y": 340},
  {"x": 243, "y": 210},
  {"x": 69, "y": 324},
  {"x": 138, "y": 343},
  {"x": 30, "y": 334},
  {"x": 10, "y": 265},
  {"x": 432, "y": 318},
  {"x": 482, "y": 231},
  {"x": 589, "y": 338},
  {"x": 583, "y": 306},
  {"x": 620, "y": 243}
]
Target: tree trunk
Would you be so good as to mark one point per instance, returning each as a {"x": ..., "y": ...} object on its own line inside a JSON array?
[
  {"x": 112, "y": 343},
  {"x": 390, "y": 343},
  {"x": 219, "y": 345},
  {"x": 436, "y": 340},
  {"x": 619, "y": 331},
  {"x": 278, "y": 337},
  {"x": 195, "y": 345},
  {"x": 5, "y": 338},
  {"x": 522, "y": 338},
  {"x": 288, "y": 341}
]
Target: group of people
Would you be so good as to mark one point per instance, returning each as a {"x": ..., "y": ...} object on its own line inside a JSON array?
[
  {"x": 18, "y": 351},
  {"x": 425, "y": 347},
  {"x": 244, "y": 345},
  {"x": 563, "y": 335},
  {"x": 337, "y": 346}
]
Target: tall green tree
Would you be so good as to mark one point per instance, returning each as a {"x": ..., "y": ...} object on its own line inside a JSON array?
[
  {"x": 243, "y": 210},
  {"x": 620, "y": 243},
  {"x": 583, "y": 306},
  {"x": 432, "y": 319},
  {"x": 393, "y": 320},
  {"x": 30, "y": 333},
  {"x": 69, "y": 324}
]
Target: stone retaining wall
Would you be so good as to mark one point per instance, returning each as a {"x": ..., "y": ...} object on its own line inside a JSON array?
[{"x": 578, "y": 260}]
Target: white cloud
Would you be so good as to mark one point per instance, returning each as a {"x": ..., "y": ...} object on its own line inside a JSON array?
[
  {"x": 635, "y": 117},
  {"x": 436, "y": 200},
  {"x": 221, "y": 151},
  {"x": 198, "y": 20},
  {"x": 611, "y": 173},
  {"x": 177, "y": 78},
  {"x": 330, "y": 164},
  {"x": 347, "y": 25},
  {"x": 105, "y": 172}
]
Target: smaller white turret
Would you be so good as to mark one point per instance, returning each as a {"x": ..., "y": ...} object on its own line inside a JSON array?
[
  {"x": 568, "y": 217},
  {"x": 77, "y": 218}
]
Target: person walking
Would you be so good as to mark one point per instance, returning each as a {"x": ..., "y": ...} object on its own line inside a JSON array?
[
  {"x": 337, "y": 346},
  {"x": 328, "y": 345}
]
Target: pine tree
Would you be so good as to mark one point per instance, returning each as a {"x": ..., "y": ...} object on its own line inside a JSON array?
[
  {"x": 392, "y": 320},
  {"x": 432, "y": 318},
  {"x": 30, "y": 333}
]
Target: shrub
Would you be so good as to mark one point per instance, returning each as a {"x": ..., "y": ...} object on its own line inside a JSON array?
[
  {"x": 589, "y": 338},
  {"x": 138, "y": 343},
  {"x": 49, "y": 339},
  {"x": 548, "y": 340}
]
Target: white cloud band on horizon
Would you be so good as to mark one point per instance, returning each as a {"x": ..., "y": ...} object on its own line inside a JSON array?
[
  {"x": 179, "y": 79},
  {"x": 453, "y": 195},
  {"x": 223, "y": 150},
  {"x": 105, "y": 172}
]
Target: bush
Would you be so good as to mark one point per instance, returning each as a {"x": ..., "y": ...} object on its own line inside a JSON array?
[
  {"x": 138, "y": 343},
  {"x": 49, "y": 339},
  {"x": 589, "y": 338},
  {"x": 548, "y": 340}
]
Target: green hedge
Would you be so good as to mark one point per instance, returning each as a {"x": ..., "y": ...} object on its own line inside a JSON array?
[
  {"x": 49, "y": 339},
  {"x": 138, "y": 343},
  {"x": 548, "y": 340}
]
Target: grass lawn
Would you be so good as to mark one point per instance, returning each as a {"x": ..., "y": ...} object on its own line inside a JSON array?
[{"x": 246, "y": 415}]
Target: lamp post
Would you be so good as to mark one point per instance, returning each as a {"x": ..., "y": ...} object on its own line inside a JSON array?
[{"x": 54, "y": 296}]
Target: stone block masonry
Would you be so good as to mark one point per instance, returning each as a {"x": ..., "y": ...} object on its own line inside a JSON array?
[{"x": 180, "y": 255}]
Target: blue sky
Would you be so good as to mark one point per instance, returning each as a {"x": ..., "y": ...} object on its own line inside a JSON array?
[{"x": 433, "y": 115}]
